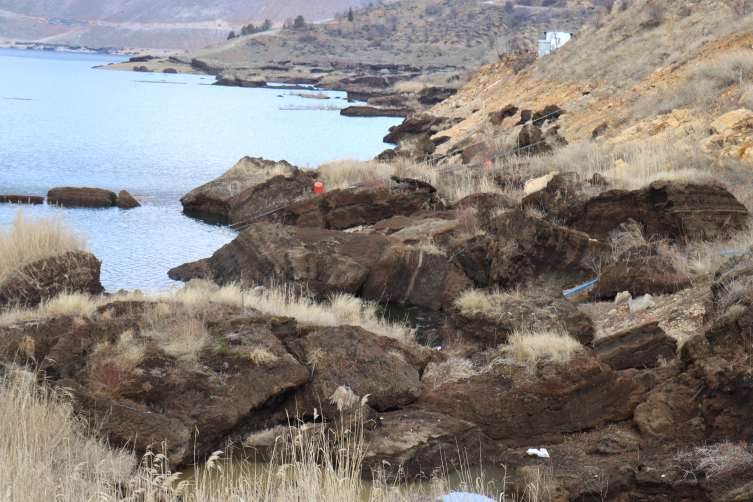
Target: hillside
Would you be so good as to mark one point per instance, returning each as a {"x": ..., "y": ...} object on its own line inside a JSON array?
[
  {"x": 174, "y": 24},
  {"x": 649, "y": 90}
]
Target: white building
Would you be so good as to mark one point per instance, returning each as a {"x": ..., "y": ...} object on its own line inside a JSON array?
[{"x": 553, "y": 40}]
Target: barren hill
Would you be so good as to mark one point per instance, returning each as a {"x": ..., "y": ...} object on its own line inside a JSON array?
[{"x": 173, "y": 24}]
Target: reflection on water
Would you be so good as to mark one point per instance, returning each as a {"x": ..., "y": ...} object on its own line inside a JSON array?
[
  {"x": 66, "y": 124},
  {"x": 421, "y": 318},
  {"x": 488, "y": 480}
]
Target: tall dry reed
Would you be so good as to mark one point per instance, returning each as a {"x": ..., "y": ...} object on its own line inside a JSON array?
[{"x": 28, "y": 239}]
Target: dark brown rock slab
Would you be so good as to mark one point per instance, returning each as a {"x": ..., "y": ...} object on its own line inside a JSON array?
[
  {"x": 126, "y": 200},
  {"x": 512, "y": 407},
  {"x": 536, "y": 311},
  {"x": 358, "y": 359},
  {"x": 416, "y": 125},
  {"x": 322, "y": 261},
  {"x": 528, "y": 249},
  {"x": 21, "y": 199},
  {"x": 372, "y": 111},
  {"x": 672, "y": 412},
  {"x": 45, "y": 278},
  {"x": 654, "y": 275},
  {"x": 342, "y": 209},
  {"x": 236, "y": 186},
  {"x": 665, "y": 209},
  {"x": 643, "y": 347},
  {"x": 410, "y": 275},
  {"x": 420, "y": 441},
  {"x": 81, "y": 197}
]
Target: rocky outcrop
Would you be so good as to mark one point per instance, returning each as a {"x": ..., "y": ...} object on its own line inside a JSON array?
[
  {"x": 664, "y": 209},
  {"x": 643, "y": 347},
  {"x": 126, "y": 200},
  {"x": 497, "y": 117},
  {"x": 21, "y": 199},
  {"x": 529, "y": 249},
  {"x": 559, "y": 199},
  {"x": 371, "y": 111},
  {"x": 416, "y": 125},
  {"x": 511, "y": 407},
  {"x": 226, "y": 193},
  {"x": 732, "y": 132},
  {"x": 640, "y": 271},
  {"x": 271, "y": 198},
  {"x": 418, "y": 275},
  {"x": 234, "y": 79},
  {"x": 81, "y": 197},
  {"x": 321, "y": 261},
  {"x": 191, "y": 407},
  {"x": 433, "y": 95},
  {"x": 341, "y": 209},
  {"x": 527, "y": 311},
  {"x": 417, "y": 441},
  {"x": 45, "y": 278},
  {"x": 362, "y": 361}
]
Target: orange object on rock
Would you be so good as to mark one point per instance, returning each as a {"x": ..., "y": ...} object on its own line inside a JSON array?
[{"x": 318, "y": 187}]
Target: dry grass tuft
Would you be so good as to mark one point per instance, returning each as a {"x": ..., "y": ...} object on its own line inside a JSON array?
[
  {"x": 261, "y": 357},
  {"x": 490, "y": 303},
  {"x": 451, "y": 371},
  {"x": 178, "y": 332},
  {"x": 719, "y": 459},
  {"x": 345, "y": 173},
  {"x": 534, "y": 347},
  {"x": 29, "y": 239}
]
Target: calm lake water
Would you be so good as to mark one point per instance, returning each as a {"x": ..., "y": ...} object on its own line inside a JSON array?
[{"x": 63, "y": 123}]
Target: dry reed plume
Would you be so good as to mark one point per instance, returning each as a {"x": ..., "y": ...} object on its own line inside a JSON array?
[{"x": 28, "y": 239}]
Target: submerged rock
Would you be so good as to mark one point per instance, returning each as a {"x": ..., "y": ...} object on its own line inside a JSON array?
[
  {"x": 21, "y": 199},
  {"x": 126, "y": 200},
  {"x": 81, "y": 197}
]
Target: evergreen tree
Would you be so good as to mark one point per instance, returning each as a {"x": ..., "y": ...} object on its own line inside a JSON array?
[
  {"x": 299, "y": 22},
  {"x": 267, "y": 25},
  {"x": 350, "y": 14},
  {"x": 231, "y": 35}
]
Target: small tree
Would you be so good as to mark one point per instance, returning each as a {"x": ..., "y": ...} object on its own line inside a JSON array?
[
  {"x": 249, "y": 29},
  {"x": 231, "y": 35},
  {"x": 267, "y": 25},
  {"x": 299, "y": 22},
  {"x": 350, "y": 14},
  {"x": 509, "y": 6}
]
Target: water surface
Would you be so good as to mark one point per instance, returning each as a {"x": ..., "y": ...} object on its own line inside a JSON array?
[{"x": 63, "y": 123}]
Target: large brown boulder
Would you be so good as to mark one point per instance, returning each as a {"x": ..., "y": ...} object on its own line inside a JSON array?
[
  {"x": 559, "y": 198},
  {"x": 225, "y": 193},
  {"x": 672, "y": 412},
  {"x": 81, "y": 197},
  {"x": 126, "y": 200},
  {"x": 416, "y": 275},
  {"x": 45, "y": 278},
  {"x": 511, "y": 406},
  {"x": 420, "y": 441},
  {"x": 321, "y": 261},
  {"x": 416, "y": 125},
  {"x": 665, "y": 209},
  {"x": 342, "y": 209},
  {"x": 639, "y": 275},
  {"x": 189, "y": 405},
  {"x": 364, "y": 362},
  {"x": 535, "y": 311},
  {"x": 528, "y": 249},
  {"x": 642, "y": 347},
  {"x": 267, "y": 199}
]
